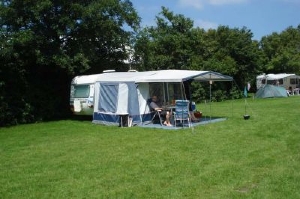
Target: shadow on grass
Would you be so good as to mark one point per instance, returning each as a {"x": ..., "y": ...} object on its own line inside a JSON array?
[{"x": 203, "y": 121}]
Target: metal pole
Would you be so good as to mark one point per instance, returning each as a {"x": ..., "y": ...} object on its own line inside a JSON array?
[{"x": 210, "y": 83}]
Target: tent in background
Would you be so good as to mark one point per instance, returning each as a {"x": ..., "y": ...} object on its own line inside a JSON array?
[
  {"x": 119, "y": 94},
  {"x": 268, "y": 91}
]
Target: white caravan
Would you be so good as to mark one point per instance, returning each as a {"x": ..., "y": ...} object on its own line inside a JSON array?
[
  {"x": 82, "y": 94},
  {"x": 288, "y": 81}
]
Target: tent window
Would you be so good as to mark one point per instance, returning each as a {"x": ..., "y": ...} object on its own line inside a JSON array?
[
  {"x": 166, "y": 92},
  {"x": 156, "y": 89},
  {"x": 108, "y": 97},
  {"x": 81, "y": 91},
  {"x": 174, "y": 91}
]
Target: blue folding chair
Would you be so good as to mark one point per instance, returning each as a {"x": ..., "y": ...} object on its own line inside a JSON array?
[{"x": 182, "y": 113}]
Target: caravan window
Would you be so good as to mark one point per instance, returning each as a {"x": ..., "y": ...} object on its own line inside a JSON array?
[
  {"x": 274, "y": 82},
  {"x": 293, "y": 81},
  {"x": 81, "y": 91}
]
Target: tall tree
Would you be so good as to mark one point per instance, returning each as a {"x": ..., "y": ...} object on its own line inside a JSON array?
[
  {"x": 175, "y": 44},
  {"x": 282, "y": 51},
  {"x": 233, "y": 52},
  {"x": 165, "y": 46},
  {"x": 50, "y": 41}
]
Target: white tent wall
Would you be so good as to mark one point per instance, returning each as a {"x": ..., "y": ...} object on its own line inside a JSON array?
[
  {"x": 96, "y": 93},
  {"x": 143, "y": 96},
  {"x": 122, "y": 103}
]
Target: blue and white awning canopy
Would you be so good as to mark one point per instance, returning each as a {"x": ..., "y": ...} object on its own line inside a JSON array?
[{"x": 163, "y": 76}]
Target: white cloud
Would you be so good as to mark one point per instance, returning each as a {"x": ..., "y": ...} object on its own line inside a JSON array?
[
  {"x": 199, "y": 4},
  {"x": 223, "y": 2},
  {"x": 205, "y": 24}
]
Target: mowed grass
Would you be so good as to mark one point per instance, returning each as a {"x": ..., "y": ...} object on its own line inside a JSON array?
[{"x": 236, "y": 158}]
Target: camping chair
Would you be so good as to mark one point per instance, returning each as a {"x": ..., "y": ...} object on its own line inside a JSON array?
[
  {"x": 156, "y": 115},
  {"x": 181, "y": 112}
]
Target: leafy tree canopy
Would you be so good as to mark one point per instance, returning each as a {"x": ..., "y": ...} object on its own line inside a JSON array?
[
  {"x": 175, "y": 44},
  {"x": 282, "y": 51},
  {"x": 74, "y": 35},
  {"x": 45, "y": 43}
]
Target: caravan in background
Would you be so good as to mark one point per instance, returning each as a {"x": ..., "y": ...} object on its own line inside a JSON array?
[
  {"x": 290, "y": 82},
  {"x": 82, "y": 94}
]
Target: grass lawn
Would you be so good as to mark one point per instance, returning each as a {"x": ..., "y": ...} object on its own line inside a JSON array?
[{"x": 236, "y": 158}]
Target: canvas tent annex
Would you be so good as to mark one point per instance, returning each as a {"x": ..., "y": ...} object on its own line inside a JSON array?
[{"x": 126, "y": 93}]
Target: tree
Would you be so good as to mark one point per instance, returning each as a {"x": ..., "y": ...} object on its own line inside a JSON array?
[
  {"x": 45, "y": 43},
  {"x": 165, "y": 46},
  {"x": 282, "y": 51},
  {"x": 233, "y": 52},
  {"x": 175, "y": 44}
]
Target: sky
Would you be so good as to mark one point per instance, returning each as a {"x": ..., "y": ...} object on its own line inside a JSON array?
[{"x": 262, "y": 17}]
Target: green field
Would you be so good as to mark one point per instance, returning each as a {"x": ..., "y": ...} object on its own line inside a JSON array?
[{"x": 236, "y": 158}]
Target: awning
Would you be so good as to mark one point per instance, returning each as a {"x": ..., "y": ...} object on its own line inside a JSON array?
[{"x": 164, "y": 76}]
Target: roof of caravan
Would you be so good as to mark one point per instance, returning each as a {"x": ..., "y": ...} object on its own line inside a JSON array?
[
  {"x": 163, "y": 76},
  {"x": 275, "y": 76},
  {"x": 85, "y": 79}
]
